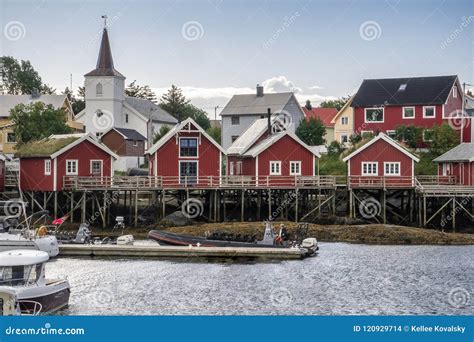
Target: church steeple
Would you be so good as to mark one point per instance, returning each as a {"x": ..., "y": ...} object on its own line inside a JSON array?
[{"x": 105, "y": 63}]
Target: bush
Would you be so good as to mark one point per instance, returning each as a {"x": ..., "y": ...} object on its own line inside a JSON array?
[{"x": 332, "y": 165}]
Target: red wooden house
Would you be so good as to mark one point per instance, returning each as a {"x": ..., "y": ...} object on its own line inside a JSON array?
[
  {"x": 381, "y": 162},
  {"x": 265, "y": 156},
  {"x": 47, "y": 163},
  {"x": 186, "y": 155},
  {"x": 381, "y": 105},
  {"x": 458, "y": 162},
  {"x": 2, "y": 172}
]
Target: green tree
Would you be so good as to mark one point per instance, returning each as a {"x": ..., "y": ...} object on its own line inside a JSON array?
[
  {"x": 197, "y": 114},
  {"x": 19, "y": 77},
  {"x": 335, "y": 147},
  {"x": 354, "y": 139},
  {"x": 174, "y": 102},
  {"x": 443, "y": 138},
  {"x": 411, "y": 135},
  {"x": 161, "y": 133},
  {"x": 337, "y": 103},
  {"x": 311, "y": 131},
  {"x": 141, "y": 92},
  {"x": 77, "y": 104},
  {"x": 36, "y": 121},
  {"x": 215, "y": 133}
]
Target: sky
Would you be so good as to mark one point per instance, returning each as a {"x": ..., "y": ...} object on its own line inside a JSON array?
[{"x": 213, "y": 49}]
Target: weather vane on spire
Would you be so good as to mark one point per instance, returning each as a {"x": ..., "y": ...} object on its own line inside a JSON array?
[{"x": 105, "y": 20}]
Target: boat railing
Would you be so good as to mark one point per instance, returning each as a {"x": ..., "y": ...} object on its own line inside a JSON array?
[{"x": 37, "y": 307}]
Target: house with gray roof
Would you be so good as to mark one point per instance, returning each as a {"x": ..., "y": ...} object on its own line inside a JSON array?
[
  {"x": 243, "y": 110},
  {"x": 458, "y": 162},
  {"x": 107, "y": 106}
]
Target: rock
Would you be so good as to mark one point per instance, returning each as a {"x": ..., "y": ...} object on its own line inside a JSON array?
[{"x": 178, "y": 219}]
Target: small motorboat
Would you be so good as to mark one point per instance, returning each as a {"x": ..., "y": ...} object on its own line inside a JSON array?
[
  {"x": 22, "y": 276},
  {"x": 270, "y": 240},
  {"x": 11, "y": 306}
]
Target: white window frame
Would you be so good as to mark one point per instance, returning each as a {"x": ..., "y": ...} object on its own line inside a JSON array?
[
  {"x": 377, "y": 108},
  {"x": 8, "y": 141},
  {"x": 101, "y": 165},
  {"x": 408, "y": 117},
  {"x": 446, "y": 167},
  {"x": 238, "y": 168},
  {"x": 364, "y": 132},
  {"x": 275, "y": 173},
  {"x": 197, "y": 147},
  {"x": 347, "y": 138},
  {"x": 455, "y": 92},
  {"x": 75, "y": 161},
  {"x": 295, "y": 163},
  {"x": 99, "y": 89},
  {"x": 135, "y": 142},
  {"x": 231, "y": 168},
  {"x": 364, "y": 173},
  {"x": 391, "y": 163},
  {"x": 390, "y": 131},
  {"x": 424, "y": 139},
  {"x": 47, "y": 167},
  {"x": 346, "y": 119},
  {"x": 429, "y": 117}
]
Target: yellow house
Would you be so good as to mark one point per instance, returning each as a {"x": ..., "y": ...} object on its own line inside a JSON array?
[
  {"x": 344, "y": 123},
  {"x": 8, "y": 102}
]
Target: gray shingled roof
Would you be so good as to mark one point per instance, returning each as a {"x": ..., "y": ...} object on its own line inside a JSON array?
[
  {"x": 249, "y": 137},
  {"x": 253, "y": 104},
  {"x": 7, "y": 102},
  {"x": 145, "y": 107},
  {"x": 130, "y": 134},
  {"x": 463, "y": 152}
]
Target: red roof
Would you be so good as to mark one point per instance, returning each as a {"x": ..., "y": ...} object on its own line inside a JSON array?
[{"x": 325, "y": 114}]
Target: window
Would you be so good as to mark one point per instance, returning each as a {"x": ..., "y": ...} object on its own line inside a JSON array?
[
  {"x": 188, "y": 172},
  {"x": 98, "y": 89},
  {"x": 455, "y": 92},
  {"x": 429, "y": 112},
  {"x": 231, "y": 168},
  {"x": 188, "y": 147},
  {"x": 366, "y": 134},
  {"x": 96, "y": 167},
  {"x": 126, "y": 118},
  {"x": 11, "y": 138},
  {"x": 344, "y": 138},
  {"x": 99, "y": 134},
  {"x": 344, "y": 120},
  {"x": 427, "y": 135},
  {"x": 238, "y": 171},
  {"x": 235, "y": 120},
  {"x": 234, "y": 138},
  {"x": 391, "y": 168},
  {"x": 392, "y": 134},
  {"x": 47, "y": 167},
  {"x": 408, "y": 112},
  {"x": 275, "y": 168},
  {"x": 369, "y": 169},
  {"x": 135, "y": 143},
  {"x": 374, "y": 114},
  {"x": 447, "y": 169},
  {"x": 71, "y": 167},
  {"x": 295, "y": 168}
]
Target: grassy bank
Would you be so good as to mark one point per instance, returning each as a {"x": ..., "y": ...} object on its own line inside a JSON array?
[{"x": 368, "y": 234}]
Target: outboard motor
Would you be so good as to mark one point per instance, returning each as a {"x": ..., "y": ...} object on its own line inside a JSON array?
[
  {"x": 83, "y": 235},
  {"x": 268, "y": 236}
]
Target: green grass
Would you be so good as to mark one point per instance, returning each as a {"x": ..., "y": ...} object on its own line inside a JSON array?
[
  {"x": 43, "y": 148},
  {"x": 332, "y": 165}
]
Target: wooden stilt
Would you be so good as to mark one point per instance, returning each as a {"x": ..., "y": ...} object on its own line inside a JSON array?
[
  {"x": 72, "y": 207},
  {"x": 163, "y": 204},
  {"x": 224, "y": 216},
  {"x": 269, "y": 205},
  {"x": 136, "y": 209},
  {"x": 454, "y": 214},
  {"x": 104, "y": 217},
  {"x": 424, "y": 211},
  {"x": 83, "y": 207},
  {"x": 351, "y": 204},
  {"x": 296, "y": 205},
  {"x": 242, "y": 203},
  {"x": 55, "y": 204}
]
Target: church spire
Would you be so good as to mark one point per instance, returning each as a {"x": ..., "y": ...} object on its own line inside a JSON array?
[{"x": 105, "y": 63}]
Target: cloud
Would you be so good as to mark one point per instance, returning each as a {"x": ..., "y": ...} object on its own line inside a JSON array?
[
  {"x": 280, "y": 84},
  {"x": 315, "y": 87}
]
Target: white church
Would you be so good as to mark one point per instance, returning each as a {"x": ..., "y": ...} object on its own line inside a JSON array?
[{"x": 108, "y": 107}]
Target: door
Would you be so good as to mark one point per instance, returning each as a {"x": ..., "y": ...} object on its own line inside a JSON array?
[
  {"x": 96, "y": 167},
  {"x": 188, "y": 172}
]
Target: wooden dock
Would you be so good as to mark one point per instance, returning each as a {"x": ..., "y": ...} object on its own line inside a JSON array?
[{"x": 114, "y": 251}]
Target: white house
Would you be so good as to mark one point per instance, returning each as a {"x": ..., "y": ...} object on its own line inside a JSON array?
[{"x": 107, "y": 106}]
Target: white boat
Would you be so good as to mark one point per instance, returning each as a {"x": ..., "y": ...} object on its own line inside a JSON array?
[
  {"x": 10, "y": 305},
  {"x": 22, "y": 273},
  {"x": 21, "y": 240}
]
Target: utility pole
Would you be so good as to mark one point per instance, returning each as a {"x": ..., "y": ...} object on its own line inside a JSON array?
[{"x": 215, "y": 112}]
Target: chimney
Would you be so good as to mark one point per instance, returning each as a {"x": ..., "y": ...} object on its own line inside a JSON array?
[
  {"x": 269, "y": 118},
  {"x": 259, "y": 90}
]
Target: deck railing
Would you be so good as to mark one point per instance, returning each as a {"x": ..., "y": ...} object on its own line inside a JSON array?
[{"x": 381, "y": 182}]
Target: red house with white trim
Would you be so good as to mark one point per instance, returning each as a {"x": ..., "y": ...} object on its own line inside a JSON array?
[
  {"x": 45, "y": 163},
  {"x": 458, "y": 162},
  {"x": 381, "y": 105},
  {"x": 381, "y": 161},
  {"x": 265, "y": 155},
  {"x": 2, "y": 172},
  {"x": 186, "y": 155}
]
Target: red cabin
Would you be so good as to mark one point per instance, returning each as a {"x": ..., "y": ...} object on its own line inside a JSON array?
[
  {"x": 47, "y": 163},
  {"x": 2, "y": 172},
  {"x": 186, "y": 156},
  {"x": 262, "y": 156},
  {"x": 381, "y": 163},
  {"x": 459, "y": 163},
  {"x": 381, "y": 105}
]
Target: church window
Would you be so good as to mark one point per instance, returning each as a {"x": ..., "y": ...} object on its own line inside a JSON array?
[{"x": 98, "y": 89}]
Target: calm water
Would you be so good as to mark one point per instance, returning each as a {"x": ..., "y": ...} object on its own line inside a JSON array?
[{"x": 342, "y": 279}]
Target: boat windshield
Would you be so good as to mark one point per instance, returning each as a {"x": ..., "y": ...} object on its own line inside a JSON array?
[{"x": 20, "y": 275}]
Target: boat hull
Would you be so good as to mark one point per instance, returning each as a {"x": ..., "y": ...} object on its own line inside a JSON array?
[{"x": 52, "y": 297}]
